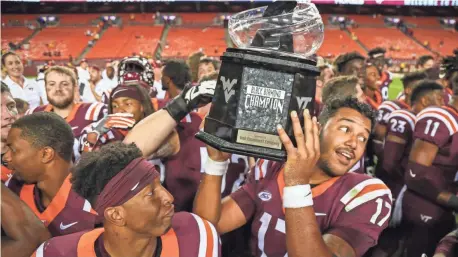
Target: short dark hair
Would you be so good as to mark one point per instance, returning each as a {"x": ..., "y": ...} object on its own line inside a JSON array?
[
  {"x": 423, "y": 59},
  {"x": 343, "y": 59},
  {"x": 413, "y": 77},
  {"x": 21, "y": 105},
  {"x": 423, "y": 88},
  {"x": 8, "y": 54},
  {"x": 449, "y": 65},
  {"x": 178, "y": 72},
  {"x": 5, "y": 88},
  {"x": 331, "y": 108},
  {"x": 95, "y": 169},
  {"x": 148, "y": 107},
  {"x": 377, "y": 51},
  {"x": 47, "y": 129},
  {"x": 339, "y": 87}
]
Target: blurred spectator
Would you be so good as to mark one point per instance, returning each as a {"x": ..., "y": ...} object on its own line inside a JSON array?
[
  {"x": 193, "y": 63},
  {"x": 425, "y": 62},
  {"x": 83, "y": 72},
  {"x": 206, "y": 67}
]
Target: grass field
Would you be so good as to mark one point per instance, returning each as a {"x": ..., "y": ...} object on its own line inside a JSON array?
[{"x": 395, "y": 88}]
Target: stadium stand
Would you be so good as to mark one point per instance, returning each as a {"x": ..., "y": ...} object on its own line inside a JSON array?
[{"x": 337, "y": 41}]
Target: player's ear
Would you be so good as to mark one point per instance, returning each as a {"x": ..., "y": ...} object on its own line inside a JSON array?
[
  {"x": 115, "y": 215},
  {"x": 47, "y": 154}
]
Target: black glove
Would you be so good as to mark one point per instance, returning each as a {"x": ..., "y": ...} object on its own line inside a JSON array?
[{"x": 190, "y": 98}]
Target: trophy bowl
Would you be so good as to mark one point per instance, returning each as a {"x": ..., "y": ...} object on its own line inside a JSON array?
[
  {"x": 303, "y": 24},
  {"x": 271, "y": 74}
]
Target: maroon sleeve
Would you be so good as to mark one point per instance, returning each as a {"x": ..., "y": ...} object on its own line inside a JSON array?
[
  {"x": 244, "y": 196},
  {"x": 448, "y": 244},
  {"x": 435, "y": 125},
  {"x": 61, "y": 246},
  {"x": 363, "y": 219},
  {"x": 383, "y": 112},
  {"x": 191, "y": 231}
]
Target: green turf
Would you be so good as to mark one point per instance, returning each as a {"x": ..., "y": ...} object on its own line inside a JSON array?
[{"x": 395, "y": 88}]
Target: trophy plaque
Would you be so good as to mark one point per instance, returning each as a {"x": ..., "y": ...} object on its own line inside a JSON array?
[{"x": 271, "y": 74}]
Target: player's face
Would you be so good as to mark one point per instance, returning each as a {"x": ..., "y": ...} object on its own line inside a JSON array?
[
  {"x": 355, "y": 68},
  {"x": 60, "y": 89},
  {"x": 9, "y": 114},
  {"x": 343, "y": 140},
  {"x": 205, "y": 69},
  {"x": 372, "y": 77},
  {"x": 128, "y": 105},
  {"x": 23, "y": 159},
  {"x": 436, "y": 98},
  {"x": 151, "y": 210},
  {"x": 13, "y": 66},
  {"x": 428, "y": 64}
]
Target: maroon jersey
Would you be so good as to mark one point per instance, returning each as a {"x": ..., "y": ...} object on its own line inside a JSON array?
[
  {"x": 81, "y": 116},
  {"x": 385, "y": 82},
  {"x": 354, "y": 207},
  {"x": 190, "y": 235},
  {"x": 183, "y": 171},
  {"x": 401, "y": 123},
  {"x": 67, "y": 213},
  {"x": 448, "y": 93},
  {"x": 448, "y": 246},
  {"x": 387, "y": 107}
]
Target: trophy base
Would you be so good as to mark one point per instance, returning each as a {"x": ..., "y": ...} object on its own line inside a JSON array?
[{"x": 242, "y": 149}]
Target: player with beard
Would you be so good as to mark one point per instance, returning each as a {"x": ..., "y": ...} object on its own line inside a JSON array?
[
  {"x": 430, "y": 198},
  {"x": 387, "y": 107},
  {"x": 22, "y": 231},
  {"x": 9, "y": 116},
  {"x": 136, "y": 211},
  {"x": 350, "y": 210},
  {"x": 398, "y": 143},
  {"x": 377, "y": 57},
  {"x": 184, "y": 170},
  {"x": 40, "y": 156},
  {"x": 61, "y": 85}
]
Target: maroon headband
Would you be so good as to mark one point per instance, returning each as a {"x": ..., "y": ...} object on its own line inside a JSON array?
[
  {"x": 125, "y": 185},
  {"x": 126, "y": 91}
]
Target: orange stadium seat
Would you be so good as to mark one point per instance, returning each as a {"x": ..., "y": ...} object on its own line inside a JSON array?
[
  {"x": 197, "y": 18},
  {"x": 337, "y": 42},
  {"x": 397, "y": 44},
  {"x": 367, "y": 20},
  {"x": 78, "y": 19},
  {"x": 19, "y": 17},
  {"x": 118, "y": 42},
  {"x": 422, "y": 21},
  {"x": 184, "y": 41},
  {"x": 67, "y": 40},
  {"x": 434, "y": 37}
]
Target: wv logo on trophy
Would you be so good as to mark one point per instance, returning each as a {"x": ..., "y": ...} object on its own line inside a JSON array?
[{"x": 270, "y": 74}]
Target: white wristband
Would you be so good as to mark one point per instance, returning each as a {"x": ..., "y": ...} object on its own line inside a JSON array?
[
  {"x": 297, "y": 196},
  {"x": 215, "y": 168}
]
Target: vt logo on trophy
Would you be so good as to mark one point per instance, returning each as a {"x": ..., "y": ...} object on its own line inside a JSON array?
[{"x": 271, "y": 74}]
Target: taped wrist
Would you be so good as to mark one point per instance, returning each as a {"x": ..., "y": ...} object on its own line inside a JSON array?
[
  {"x": 425, "y": 180},
  {"x": 177, "y": 108}
]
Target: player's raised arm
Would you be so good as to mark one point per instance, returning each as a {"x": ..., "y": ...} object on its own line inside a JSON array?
[
  {"x": 24, "y": 231},
  {"x": 152, "y": 131}
]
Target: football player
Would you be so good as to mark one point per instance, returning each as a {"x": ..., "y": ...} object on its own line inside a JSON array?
[
  {"x": 40, "y": 157},
  {"x": 348, "y": 210},
  {"x": 447, "y": 70},
  {"x": 386, "y": 108},
  {"x": 398, "y": 142},
  {"x": 371, "y": 86},
  {"x": 377, "y": 57},
  {"x": 184, "y": 170},
  {"x": 448, "y": 246},
  {"x": 9, "y": 116},
  {"x": 136, "y": 211},
  {"x": 22, "y": 231},
  {"x": 61, "y": 85},
  {"x": 351, "y": 63},
  {"x": 431, "y": 196}
]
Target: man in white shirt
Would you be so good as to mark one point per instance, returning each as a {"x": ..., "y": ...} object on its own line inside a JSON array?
[
  {"x": 83, "y": 70},
  {"x": 97, "y": 86},
  {"x": 20, "y": 86}
]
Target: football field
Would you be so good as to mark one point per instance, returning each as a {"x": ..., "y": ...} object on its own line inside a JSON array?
[{"x": 395, "y": 88}]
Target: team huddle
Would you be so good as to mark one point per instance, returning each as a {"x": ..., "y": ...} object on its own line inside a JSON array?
[{"x": 125, "y": 176}]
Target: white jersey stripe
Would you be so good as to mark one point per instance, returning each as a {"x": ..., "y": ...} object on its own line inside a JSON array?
[
  {"x": 410, "y": 118},
  {"x": 87, "y": 206},
  {"x": 97, "y": 112},
  {"x": 447, "y": 123},
  {"x": 215, "y": 240},
  {"x": 358, "y": 188},
  {"x": 366, "y": 198},
  {"x": 203, "y": 236},
  {"x": 390, "y": 106},
  {"x": 40, "y": 251},
  {"x": 449, "y": 120},
  {"x": 88, "y": 112}
]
